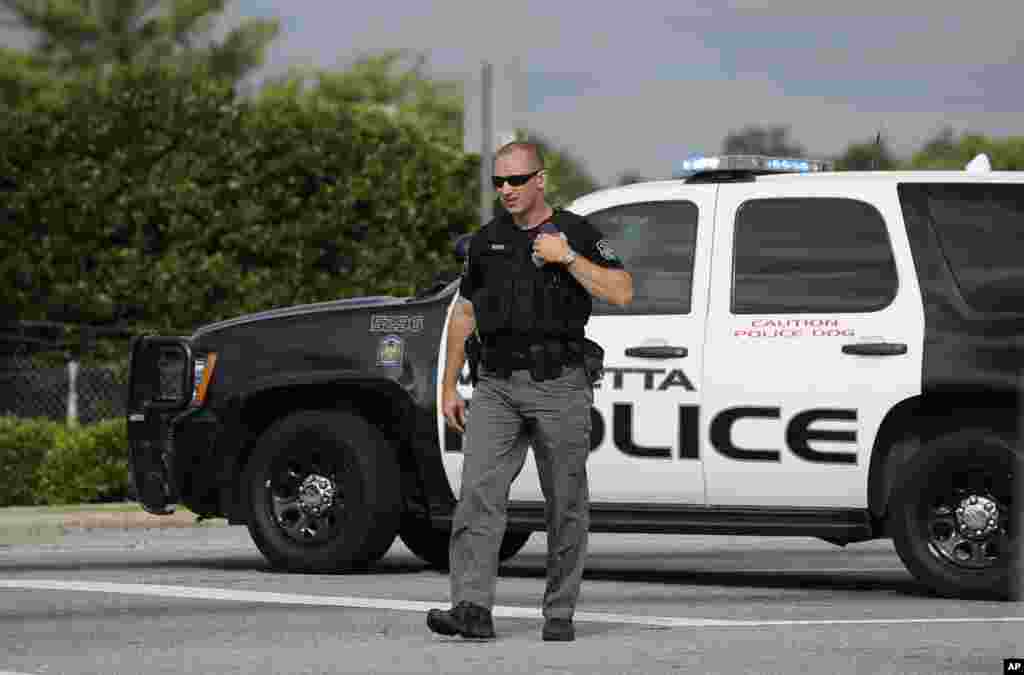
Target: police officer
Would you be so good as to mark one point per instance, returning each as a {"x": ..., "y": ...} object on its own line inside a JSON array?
[{"x": 526, "y": 292}]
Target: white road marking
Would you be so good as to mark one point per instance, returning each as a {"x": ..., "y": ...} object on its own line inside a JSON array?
[
  {"x": 743, "y": 571},
  {"x": 231, "y": 595}
]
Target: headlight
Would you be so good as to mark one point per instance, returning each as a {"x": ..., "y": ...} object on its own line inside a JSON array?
[
  {"x": 203, "y": 373},
  {"x": 171, "y": 362}
]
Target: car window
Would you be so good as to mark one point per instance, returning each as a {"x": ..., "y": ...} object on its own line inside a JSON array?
[
  {"x": 655, "y": 241},
  {"x": 811, "y": 255},
  {"x": 980, "y": 228}
]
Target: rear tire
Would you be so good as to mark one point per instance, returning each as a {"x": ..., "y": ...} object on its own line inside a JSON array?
[
  {"x": 955, "y": 516},
  {"x": 323, "y": 492},
  {"x": 431, "y": 544}
]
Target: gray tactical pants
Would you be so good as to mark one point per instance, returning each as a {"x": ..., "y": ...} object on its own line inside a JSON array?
[{"x": 504, "y": 416}]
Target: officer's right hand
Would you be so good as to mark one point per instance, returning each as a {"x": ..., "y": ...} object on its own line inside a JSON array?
[{"x": 454, "y": 408}]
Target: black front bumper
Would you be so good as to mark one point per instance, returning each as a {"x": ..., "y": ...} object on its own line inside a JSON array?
[
  {"x": 172, "y": 461},
  {"x": 151, "y": 463}
]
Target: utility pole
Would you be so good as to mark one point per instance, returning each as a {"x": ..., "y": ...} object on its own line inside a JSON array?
[
  {"x": 486, "y": 144},
  {"x": 72, "y": 407}
]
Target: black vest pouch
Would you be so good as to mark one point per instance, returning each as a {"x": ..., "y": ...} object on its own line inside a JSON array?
[
  {"x": 492, "y": 309},
  {"x": 546, "y": 361},
  {"x": 494, "y": 303},
  {"x": 550, "y": 301},
  {"x": 593, "y": 360}
]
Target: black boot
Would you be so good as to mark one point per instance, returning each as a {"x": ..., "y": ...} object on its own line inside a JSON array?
[
  {"x": 465, "y": 619},
  {"x": 558, "y": 630}
]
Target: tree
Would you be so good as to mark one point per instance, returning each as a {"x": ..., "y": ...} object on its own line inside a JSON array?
[
  {"x": 25, "y": 77},
  {"x": 88, "y": 37},
  {"x": 940, "y": 150},
  {"x": 394, "y": 81},
  {"x": 758, "y": 140},
  {"x": 94, "y": 175},
  {"x": 867, "y": 156},
  {"x": 161, "y": 200},
  {"x": 946, "y": 151}
]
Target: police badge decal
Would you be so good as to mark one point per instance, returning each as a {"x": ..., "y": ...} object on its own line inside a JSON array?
[
  {"x": 606, "y": 251},
  {"x": 390, "y": 351}
]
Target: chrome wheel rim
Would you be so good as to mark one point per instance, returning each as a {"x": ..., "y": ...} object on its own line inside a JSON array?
[
  {"x": 967, "y": 522},
  {"x": 305, "y": 498}
]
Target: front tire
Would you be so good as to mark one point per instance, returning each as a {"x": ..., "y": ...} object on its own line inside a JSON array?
[
  {"x": 955, "y": 517},
  {"x": 323, "y": 492}
]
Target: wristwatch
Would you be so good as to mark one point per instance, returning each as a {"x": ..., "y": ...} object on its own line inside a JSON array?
[{"x": 569, "y": 257}]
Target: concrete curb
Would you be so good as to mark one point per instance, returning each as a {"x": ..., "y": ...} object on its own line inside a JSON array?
[
  {"x": 28, "y": 519},
  {"x": 133, "y": 520}
]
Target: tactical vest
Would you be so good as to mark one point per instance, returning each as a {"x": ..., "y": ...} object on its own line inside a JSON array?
[{"x": 519, "y": 301}]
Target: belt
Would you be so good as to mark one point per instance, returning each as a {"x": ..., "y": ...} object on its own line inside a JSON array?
[
  {"x": 495, "y": 360},
  {"x": 510, "y": 356},
  {"x": 522, "y": 344}
]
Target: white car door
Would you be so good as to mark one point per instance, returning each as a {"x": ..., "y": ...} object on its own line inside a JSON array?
[
  {"x": 815, "y": 331},
  {"x": 645, "y": 443}
]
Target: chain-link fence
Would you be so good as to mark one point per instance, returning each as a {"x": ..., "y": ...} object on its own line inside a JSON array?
[{"x": 44, "y": 373}]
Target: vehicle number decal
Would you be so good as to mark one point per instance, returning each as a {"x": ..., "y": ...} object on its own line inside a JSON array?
[{"x": 396, "y": 323}]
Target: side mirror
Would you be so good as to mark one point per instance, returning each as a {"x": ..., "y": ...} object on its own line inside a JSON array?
[{"x": 462, "y": 247}]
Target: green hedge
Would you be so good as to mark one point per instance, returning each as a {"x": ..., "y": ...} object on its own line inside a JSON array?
[
  {"x": 47, "y": 462},
  {"x": 24, "y": 444},
  {"x": 161, "y": 199}
]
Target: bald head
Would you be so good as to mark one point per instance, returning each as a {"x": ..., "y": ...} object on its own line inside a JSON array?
[{"x": 531, "y": 149}]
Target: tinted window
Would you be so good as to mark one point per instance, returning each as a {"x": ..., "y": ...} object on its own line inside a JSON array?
[
  {"x": 981, "y": 229},
  {"x": 655, "y": 241},
  {"x": 811, "y": 255}
]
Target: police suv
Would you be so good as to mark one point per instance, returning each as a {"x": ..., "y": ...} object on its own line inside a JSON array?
[{"x": 811, "y": 353}]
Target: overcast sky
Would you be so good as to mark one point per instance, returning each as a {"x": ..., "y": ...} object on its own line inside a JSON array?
[{"x": 638, "y": 85}]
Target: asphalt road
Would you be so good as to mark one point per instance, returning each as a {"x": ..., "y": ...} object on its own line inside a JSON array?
[{"x": 201, "y": 600}]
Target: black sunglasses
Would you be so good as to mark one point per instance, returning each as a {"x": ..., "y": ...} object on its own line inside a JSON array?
[{"x": 516, "y": 180}]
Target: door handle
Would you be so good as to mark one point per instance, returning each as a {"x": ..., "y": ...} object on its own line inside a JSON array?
[
  {"x": 657, "y": 352},
  {"x": 875, "y": 348}
]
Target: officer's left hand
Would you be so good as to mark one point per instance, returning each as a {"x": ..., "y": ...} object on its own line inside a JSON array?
[{"x": 551, "y": 248}]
